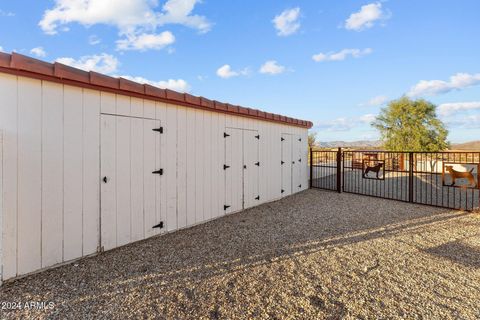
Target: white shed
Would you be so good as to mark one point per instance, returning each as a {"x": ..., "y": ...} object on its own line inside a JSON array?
[{"x": 91, "y": 162}]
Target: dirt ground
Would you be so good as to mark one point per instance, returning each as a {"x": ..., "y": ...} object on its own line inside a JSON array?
[{"x": 314, "y": 255}]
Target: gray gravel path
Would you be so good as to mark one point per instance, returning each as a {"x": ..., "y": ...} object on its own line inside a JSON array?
[{"x": 314, "y": 255}]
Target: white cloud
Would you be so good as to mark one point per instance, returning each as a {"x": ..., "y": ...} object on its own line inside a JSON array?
[
  {"x": 126, "y": 15},
  {"x": 145, "y": 41},
  {"x": 341, "y": 55},
  {"x": 179, "y": 12},
  {"x": 465, "y": 122},
  {"x": 376, "y": 101},
  {"x": 345, "y": 124},
  {"x": 94, "y": 39},
  {"x": 226, "y": 72},
  {"x": 367, "y": 118},
  {"x": 447, "y": 109},
  {"x": 272, "y": 67},
  {"x": 136, "y": 20},
  {"x": 102, "y": 63},
  {"x": 434, "y": 87},
  {"x": 179, "y": 85},
  {"x": 339, "y": 124},
  {"x": 1, "y": 48},
  {"x": 366, "y": 17},
  {"x": 6, "y": 13},
  {"x": 287, "y": 23},
  {"x": 39, "y": 52}
]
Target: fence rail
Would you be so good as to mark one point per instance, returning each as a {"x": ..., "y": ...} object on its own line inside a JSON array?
[{"x": 442, "y": 179}]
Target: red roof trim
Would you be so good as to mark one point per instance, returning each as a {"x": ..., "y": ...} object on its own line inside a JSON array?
[
  {"x": 66, "y": 72},
  {"x": 243, "y": 110},
  {"x": 129, "y": 85},
  {"x": 5, "y": 60},
  {"x": 25, "y": 66},
  {"x": 104, "y": 81},
  {"x": 207, "y": 103},
  {"x": 154, "y": 91},
  {"x": 192, "y": 99},
  {"x": 220, "y": 105},
  {"x": 22, "y": 62}
]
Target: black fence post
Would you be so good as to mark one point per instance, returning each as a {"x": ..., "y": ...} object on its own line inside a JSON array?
[
  {"x": 339, "y": 170},
  {"x": 311, "y": 167},
  {"x": 410, "y": 177}
]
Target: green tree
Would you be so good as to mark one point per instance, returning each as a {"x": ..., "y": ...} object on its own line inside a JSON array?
[
  {"x": 411, "y": 125},
  {"x": 312, "y": 139}
]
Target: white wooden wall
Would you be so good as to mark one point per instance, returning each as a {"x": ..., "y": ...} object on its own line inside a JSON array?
[{"x": 51, "y": 167}]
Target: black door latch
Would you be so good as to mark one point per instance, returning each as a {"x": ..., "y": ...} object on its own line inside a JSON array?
[
  {"x": 105, "y": 179},
  {"x": 160, "y": 225},
  {"x": 160, "y": 172}
]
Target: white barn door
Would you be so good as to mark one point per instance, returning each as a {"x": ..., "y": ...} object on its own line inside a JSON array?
[
  {"x": 233, "y": 169},
  {"x": 296, "y": 163},
  {"x": 286, "y": 163},
  {"x": 251, "y": 165},
  {"x": 130, "y": 173}
]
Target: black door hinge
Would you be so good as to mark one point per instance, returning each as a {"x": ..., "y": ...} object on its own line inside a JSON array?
[
  {"x": 257, "y": 198},
  {"x": 226, "y": 135},
  {"x": 283, "y": 191},
  {"x": 257, "y": 164},
  {"x": 160, "y": 172},
  {"x": 225, "y": 167},
  {"x": 281, "y": 139},
  {"x": 258, "y": 137},
  {"x": 158, "y": 130},
  {"x": 300, "y": 186},
  {"x": 225, "y": 207},
  {"x": 300, "y": 160},
  {"x": 281, "y": 162},
  {"x": 160, "y": 225}
]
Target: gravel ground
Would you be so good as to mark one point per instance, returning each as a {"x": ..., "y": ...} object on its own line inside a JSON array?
[{"x": 314, "y": 255}]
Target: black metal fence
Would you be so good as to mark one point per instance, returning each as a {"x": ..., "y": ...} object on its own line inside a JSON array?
[{"x": 442, "y": 179}]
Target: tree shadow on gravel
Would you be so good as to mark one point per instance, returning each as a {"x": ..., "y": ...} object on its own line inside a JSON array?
[
  {"x": 299, "y": 225},
  {"x": 458, "y": 252}
]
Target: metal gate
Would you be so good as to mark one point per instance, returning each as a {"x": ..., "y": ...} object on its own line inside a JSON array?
[{"x": 442, "y": 179}]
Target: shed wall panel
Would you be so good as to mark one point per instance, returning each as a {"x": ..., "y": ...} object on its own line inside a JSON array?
[
  {"x": 137, "y": 223},
  {"x": 181, "y": 167},
  {"x": 171, "y": 167},
  {"x": 73, "y": 173},
  {"x": 9, "y": 126},
  {"x": 29, "y": 175},
  {"x": 199, "y": 142},
  {"x": 91, "y": 171},
  {"x": 52, "y": 174},
  {"x": 191, "y": 160}
]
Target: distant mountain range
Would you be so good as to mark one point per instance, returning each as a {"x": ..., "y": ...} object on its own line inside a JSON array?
[
  {"x": 352, "y": 144},
  {"x": 472, "y": 145}
]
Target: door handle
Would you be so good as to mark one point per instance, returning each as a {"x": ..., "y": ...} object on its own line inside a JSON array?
[{"x": 105, "y": 180}]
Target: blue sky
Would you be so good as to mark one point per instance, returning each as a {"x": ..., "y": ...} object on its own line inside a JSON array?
[{"x": 335, "y": 63}]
